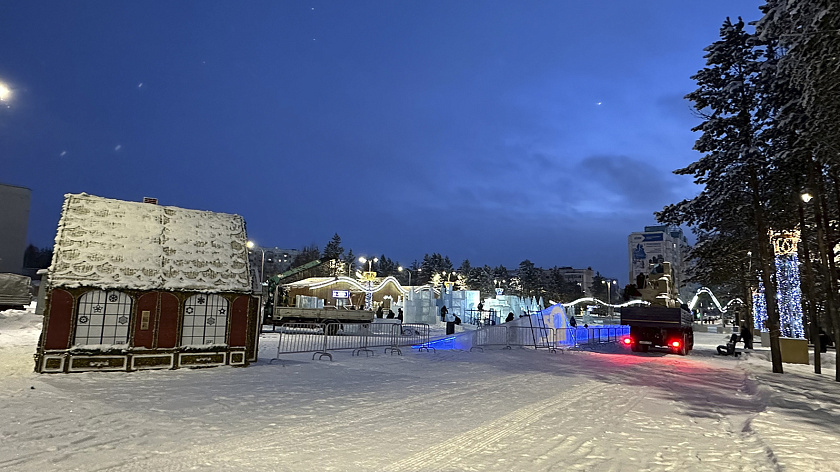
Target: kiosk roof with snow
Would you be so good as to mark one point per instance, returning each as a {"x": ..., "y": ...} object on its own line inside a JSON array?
[{"x": 111, "y": 244}]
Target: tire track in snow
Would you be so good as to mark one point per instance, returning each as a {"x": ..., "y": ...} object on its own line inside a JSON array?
[
  {"x": 260, "y": 447},
  {"x": 467, "y": 445}
]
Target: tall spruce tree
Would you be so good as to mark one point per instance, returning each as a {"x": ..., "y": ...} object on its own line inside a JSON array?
[
  {"x": 334, "y": 255},
  {"x": 734, "y": 167},
  {"x": 808, "y": 33}
]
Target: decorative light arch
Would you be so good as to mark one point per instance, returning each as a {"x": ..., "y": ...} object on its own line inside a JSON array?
[{"x": 708, "y": 291}]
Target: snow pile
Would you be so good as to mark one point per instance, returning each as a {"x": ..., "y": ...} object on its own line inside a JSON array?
[
  {"x": 111, "y": 244},
  {"x": 19, "y": 332}
]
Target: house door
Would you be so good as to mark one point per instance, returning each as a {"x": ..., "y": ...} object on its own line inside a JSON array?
[{"x": 156, "y": 323}]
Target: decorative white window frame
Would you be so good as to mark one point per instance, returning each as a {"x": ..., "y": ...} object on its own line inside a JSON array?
[
  {"x": 103, "y": 317},
  {"x": 205, "y": 320}
]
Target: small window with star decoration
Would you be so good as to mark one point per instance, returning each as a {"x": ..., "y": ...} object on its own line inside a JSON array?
[
  {"x": 103, "y": 317},
  {"x": 205, "y": 320}
]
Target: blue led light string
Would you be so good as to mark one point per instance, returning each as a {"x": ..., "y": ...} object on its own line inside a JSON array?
[
  {"x": 790, "y": 296},
  {"x": 759, "y": 308}
]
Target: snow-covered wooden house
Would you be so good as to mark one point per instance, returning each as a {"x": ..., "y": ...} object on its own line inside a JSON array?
[{"x": 141, "y": 286}]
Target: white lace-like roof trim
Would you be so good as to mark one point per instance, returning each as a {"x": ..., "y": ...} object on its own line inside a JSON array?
[{"x": 107, "y": 243}]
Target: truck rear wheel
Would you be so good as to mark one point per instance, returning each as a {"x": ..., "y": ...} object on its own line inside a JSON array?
[{"x": 683, "y": 346}]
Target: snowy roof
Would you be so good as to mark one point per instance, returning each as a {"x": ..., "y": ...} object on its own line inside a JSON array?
[{"x": 109, "y": 243}]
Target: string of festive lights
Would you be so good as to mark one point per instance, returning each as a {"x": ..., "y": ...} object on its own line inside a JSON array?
[
  {"x": 759, "y": 308},
  {"x": 788, "y": 296},
  {"x": 708, "y": 291}
]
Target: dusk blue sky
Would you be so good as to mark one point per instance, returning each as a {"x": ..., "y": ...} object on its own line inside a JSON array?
[{"x": 494, "y": 131}]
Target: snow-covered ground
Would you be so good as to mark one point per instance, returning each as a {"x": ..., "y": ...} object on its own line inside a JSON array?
[{"x": 497, "y": 410}]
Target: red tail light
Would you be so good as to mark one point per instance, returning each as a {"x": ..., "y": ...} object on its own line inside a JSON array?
[
  {"x": 628, "y": 341},
  {"x": 675, "y": 343}
]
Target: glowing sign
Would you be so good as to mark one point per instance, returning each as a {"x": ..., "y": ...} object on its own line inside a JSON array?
[{"x": 341, "y": 293}]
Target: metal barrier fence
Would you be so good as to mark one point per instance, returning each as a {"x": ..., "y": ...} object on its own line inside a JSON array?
[
  {"x": 547, "y": 338},
  {"x": 484, "y": 317},
  {"x": 509, "y": 336},
  {"x": 591, "y": 336},
  {"x": 320, "y": 338}
]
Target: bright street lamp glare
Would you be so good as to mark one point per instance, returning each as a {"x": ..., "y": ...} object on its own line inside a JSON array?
[
  {"x": 250, "y": 244},
  {"x": 362, "y": 260},
  {"x": 5, "y": 92},
  {"x": 806, "y": 197}
]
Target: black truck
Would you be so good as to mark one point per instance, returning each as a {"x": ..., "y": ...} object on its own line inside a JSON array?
[{"x": 659, "y": 326}]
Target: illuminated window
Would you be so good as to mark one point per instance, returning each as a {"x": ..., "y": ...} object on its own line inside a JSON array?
[
  {"x": 103, "y": 318},
  {"x": 205, "y": 320}
]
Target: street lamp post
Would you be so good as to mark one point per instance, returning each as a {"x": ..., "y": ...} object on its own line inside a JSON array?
[
  {"x": 806, "y": 197},
  {"x": 609, "y": 297},
  {"x": 251, "y": 245},
  {"x": 401, "y": 268}
]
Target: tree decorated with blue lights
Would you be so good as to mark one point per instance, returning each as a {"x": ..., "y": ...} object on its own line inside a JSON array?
[{"x": 789, "y": 292}]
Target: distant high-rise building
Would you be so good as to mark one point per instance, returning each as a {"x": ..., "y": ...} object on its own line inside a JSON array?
[
  {"x": 14, "y": 219},
  {"x": 662, "y": 243},
  {"x": 582, "y": 277}
]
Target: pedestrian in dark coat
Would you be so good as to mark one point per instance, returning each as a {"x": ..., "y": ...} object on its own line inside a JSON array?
[
  {"x": 746, "y": 336},
  {"x": 825, "y": 341},
  {"x": 400, "y": 315}
]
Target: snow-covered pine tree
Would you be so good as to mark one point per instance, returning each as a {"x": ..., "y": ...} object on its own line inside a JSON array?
[
  {"x": 808, "y": 33},
  {"x": 734, "y": 167}
]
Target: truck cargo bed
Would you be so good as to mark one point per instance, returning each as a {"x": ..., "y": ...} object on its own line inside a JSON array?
[{"x": 656, "y": 316}]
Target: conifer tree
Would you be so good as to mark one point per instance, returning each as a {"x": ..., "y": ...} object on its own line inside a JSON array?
[
  {"x": 334, "y": 254},
  {"x": 734, "y": 167}
]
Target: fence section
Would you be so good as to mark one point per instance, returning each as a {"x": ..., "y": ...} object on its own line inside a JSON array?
[
  {"x": 302, "y": 337},
  {"x": 320, "y": 338},
  {"x": 591, "y": 336}
]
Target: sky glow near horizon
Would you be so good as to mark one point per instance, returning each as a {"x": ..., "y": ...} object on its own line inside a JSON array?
[{"x": 490, "y": 131}]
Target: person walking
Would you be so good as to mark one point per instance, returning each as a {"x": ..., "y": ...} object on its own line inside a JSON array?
[
  {"x": 379, "y": 312},
  {"x": 509, "y": 317},
  {"x": 400, "y": 314},
  {"x": 443, "y": 312}
]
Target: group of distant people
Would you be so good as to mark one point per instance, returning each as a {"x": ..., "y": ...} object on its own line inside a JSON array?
[
  {"x": 380, "y": 313},
  {"x": 745, "y": 335}
]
